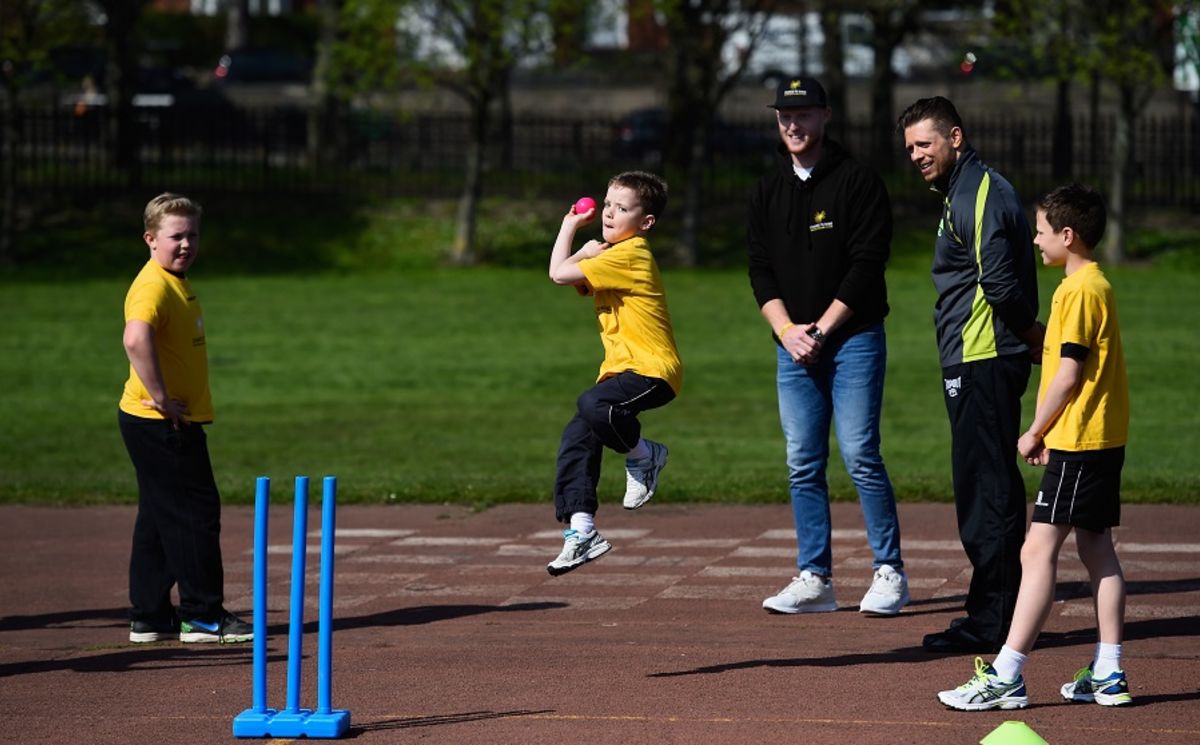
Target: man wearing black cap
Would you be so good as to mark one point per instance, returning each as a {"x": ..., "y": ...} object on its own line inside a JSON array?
[{"x": 820, "y": 230}]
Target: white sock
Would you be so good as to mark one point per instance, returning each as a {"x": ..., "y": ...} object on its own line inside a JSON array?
[
  {"x": 639, "y": 452},
  {"x": 1009, "y": 663},
  {"x": 583, "y": 522},
  {"x": 1108, "y": 660}
]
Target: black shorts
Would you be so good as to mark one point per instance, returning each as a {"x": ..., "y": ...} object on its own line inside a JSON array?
[{"x": 1082, "y": 489}]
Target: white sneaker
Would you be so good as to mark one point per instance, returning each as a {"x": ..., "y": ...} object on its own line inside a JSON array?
[
  {"x": 641, "y": 476},
  {"x": 986, "y": 691},
  {"x": 578, "y": 549},
  {"x": 888, "y": 593},
  {"x": 807, "y": 593}
]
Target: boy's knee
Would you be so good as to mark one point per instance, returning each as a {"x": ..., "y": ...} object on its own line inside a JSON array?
[{"x": 1036, "y": 550}]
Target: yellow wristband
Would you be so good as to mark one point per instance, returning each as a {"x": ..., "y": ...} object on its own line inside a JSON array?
[{"x": 785, "y": 328}]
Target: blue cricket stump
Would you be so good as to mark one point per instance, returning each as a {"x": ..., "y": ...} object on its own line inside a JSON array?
[{"x": 293, "y": 721}]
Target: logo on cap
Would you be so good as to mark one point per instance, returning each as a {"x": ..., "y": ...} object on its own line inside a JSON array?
[{"x": 795, "y": 89}]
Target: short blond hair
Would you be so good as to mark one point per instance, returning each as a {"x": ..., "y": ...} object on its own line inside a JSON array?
[{"x": 168, "y": 203}]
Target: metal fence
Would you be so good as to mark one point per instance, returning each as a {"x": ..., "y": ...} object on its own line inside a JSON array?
[{"x": 268, "y": 151}]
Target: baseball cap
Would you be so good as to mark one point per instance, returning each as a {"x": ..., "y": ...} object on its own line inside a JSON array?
[{"x": 799, "y": 91}]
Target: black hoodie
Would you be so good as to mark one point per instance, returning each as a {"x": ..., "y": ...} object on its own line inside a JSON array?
[{"x": 811, "y": 242}]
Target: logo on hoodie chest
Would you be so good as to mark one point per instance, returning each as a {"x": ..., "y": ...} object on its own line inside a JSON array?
[{"x": 820, "y": 222}]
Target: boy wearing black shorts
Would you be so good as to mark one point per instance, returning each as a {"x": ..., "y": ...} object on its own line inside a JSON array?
[{"x": 1079, "y": 433}]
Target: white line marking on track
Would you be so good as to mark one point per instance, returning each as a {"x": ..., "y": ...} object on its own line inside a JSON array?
[
  {"x": 1084, "y": 609},
  {"x": 574, "y": 603},
  {"x": 448, "y": 541},
  {"x": 910, "y": 563},
  {"x": 623, "y": 579},
  {"x": 931, "y": 545},
  {"x": 1159, "y": 548},
  {"x": 758, "y": 553},
  {"x": 369, "y": 533},
  {"x": 606, "y": 532},
  {"x": 688, "y": 542},
  {"x": 401, "y": 559},
  {"x": 309, "y": 549},
  {"x": 717, "y": 592}
]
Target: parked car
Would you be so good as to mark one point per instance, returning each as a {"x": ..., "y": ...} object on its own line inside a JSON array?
[
  {"x": 263, "y": 66},
  {"x": 642, "y": 135}
]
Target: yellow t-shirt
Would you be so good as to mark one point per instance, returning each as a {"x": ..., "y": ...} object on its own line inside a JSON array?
[
  {"x": 631, "y": 307},
  {"x": 1084, "y": 312},
  {"x": 167, "y": 303}
]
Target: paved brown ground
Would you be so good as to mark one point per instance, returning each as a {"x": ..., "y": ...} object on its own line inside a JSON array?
[{"x": 449, "y": 630}]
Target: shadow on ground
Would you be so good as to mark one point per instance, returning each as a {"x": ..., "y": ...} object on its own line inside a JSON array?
[
  {"x": 435, "y": 720},
  {"x": 1148, "y": 629}
]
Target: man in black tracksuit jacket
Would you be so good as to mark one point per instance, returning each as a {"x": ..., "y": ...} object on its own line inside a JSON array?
[
  {"x": 820, "y": 230},
  {"x": 985, "y": 275}
]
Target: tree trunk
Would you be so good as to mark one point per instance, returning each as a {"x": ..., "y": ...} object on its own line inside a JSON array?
[
  {"x": 462, "y": 252},
  {"x": 1063, "y": 147},
  {"x": 237, "y": 24},
  {"x": 506, "y": 135},
  {"x": 687, "y": 252},
  {"x": 833, "y": 59},
  {"x": 888, "y": 33},
  {"x": 1122, "y": 162},
  {"x": 9, "y": 132},
  {"x": 324, "y": 143},
  {"x": 122, "y": 78}
]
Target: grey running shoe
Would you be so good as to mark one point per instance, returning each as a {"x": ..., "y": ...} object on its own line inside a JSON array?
[
  {"x": 641, "y": 476},
  {"x": 986, "y": 691},
  {"x": 1112, "y": 691},
  {"x": 578, "y": 549}
]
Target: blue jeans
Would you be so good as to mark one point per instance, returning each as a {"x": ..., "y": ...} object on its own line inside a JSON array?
[{"x": 845, "y": 386}]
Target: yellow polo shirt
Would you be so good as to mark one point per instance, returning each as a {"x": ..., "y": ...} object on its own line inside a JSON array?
[
  {"x": 167, "y": 303},
  {"x": 631, "y": 308},
  {"x": 1084, "y": 312}
]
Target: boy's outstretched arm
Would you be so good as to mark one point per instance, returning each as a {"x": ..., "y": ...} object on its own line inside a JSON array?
[
  {"x": 1059, "y": 393},
  {"x": 564, "y": 266}
]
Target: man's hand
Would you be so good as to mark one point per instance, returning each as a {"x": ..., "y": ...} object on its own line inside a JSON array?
[{"x": 798, "y": 341}]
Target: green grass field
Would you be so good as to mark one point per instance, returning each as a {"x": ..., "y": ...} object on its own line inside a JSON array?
[{"x": 338, "y": 346}]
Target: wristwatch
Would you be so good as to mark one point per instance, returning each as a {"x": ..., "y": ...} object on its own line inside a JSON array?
[{"x": 816, "y": 334}]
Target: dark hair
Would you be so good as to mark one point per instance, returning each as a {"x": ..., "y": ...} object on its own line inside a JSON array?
[
  {"x": 1077, "y": 207},
  {"x": 937, "y": 109},
  {"x": 651, "y": 190}
]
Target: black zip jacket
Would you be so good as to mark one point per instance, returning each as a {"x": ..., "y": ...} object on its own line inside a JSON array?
[
  {"x": 984, "y": 266},
  {"x": 811, "y": 242}
]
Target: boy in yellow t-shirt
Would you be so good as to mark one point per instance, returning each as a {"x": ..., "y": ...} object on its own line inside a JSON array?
[
  {"x": 1079, "y": 433},
  {"x": 641, "y": 368},
  {"x": 177, "y": 534}
]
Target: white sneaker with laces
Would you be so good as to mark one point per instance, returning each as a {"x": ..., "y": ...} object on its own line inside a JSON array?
[
  {"x": 578, "y": 549},
  {"x": 807, "y": 593},
  {"x": 641, "y": 476},
  {"x": 888, "y": 593},
  {"x": 986, "y": 691}
]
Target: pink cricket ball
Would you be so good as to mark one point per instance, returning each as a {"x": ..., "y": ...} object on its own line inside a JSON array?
[{"x": 583, "y": 204}]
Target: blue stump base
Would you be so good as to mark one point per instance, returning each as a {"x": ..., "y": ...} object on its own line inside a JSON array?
[{"x": 301, "y": 723}]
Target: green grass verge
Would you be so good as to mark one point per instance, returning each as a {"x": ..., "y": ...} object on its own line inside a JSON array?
[{"x": 339, "y": 346}]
